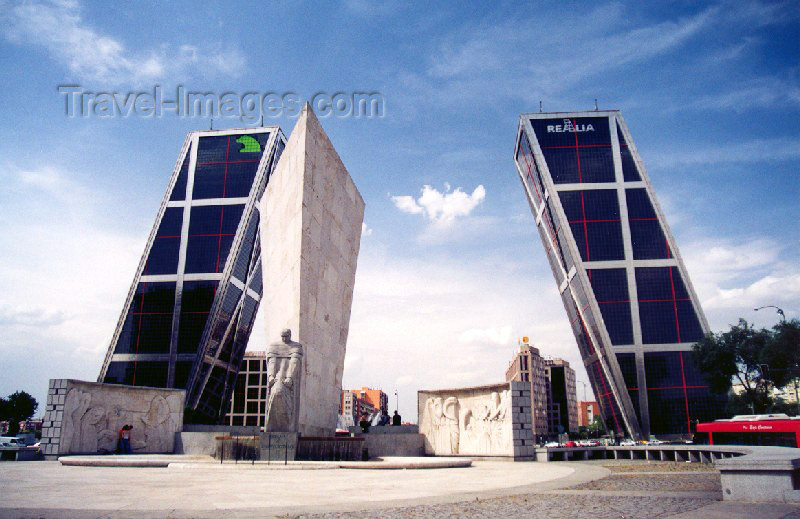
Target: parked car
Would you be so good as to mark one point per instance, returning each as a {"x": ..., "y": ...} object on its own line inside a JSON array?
[
  {"x": 552, "y": 444},
  {"x": 627, "y": 443},
  {"x": 570, "y": 445},
  {"x": 656, "y": 442},
  {"x": 11, "y": 441}
]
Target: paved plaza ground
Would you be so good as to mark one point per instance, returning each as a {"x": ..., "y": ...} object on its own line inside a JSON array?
[{"x": 613, "y": 489}]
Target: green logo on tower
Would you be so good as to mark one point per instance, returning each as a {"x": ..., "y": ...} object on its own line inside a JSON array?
[{"x": 249, "y": 144}]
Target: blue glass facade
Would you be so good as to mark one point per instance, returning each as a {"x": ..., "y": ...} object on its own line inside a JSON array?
[
  {"x": 623, "y": 285},
  {"x": 194, "y": 297}
]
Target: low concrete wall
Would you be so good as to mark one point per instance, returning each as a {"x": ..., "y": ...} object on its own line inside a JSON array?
[
  {"x": 85, "y": 417},
  {"x": 765, "y": 474},
  {"x": 689, "y": 453},
  {"x": 380, "y": 445},
  {"x": 387, "y": 429},
  {"x": 202, "y": 439},
  {"x": 196, "y": 443},
  {"x": 747, "y": 473}
]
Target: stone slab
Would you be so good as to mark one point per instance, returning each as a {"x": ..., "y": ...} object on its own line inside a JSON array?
[
  {"x": 94, "y": 413},
  {"x": 472, "y": 421},
  {"x": 311, "y": 218}
]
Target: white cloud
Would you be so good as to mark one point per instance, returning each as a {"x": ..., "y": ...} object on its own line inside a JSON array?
[
  {"x": 407, "y": 204},
  {"x": 776, "y": 149},
  {"x": 93, "y": 56},
  {"x": 65, "y": 274},
  {"x": 527, "y": 59},
  {"x": 733, "y": 277},
  {"x": 366, "y": 230},
  {"x": 493, "y": 335},
  {"x": 759, "y": 92},
  {"x": 441, "y": 208}
]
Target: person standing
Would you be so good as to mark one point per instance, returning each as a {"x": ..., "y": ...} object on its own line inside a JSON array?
[{"x": 125, "y": 439}]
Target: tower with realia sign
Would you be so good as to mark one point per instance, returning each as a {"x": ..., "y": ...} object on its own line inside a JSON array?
[{"x": 626, "y": 291}]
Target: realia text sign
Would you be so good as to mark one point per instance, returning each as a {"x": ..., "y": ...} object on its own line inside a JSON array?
[{"x": 568, "y": 127}]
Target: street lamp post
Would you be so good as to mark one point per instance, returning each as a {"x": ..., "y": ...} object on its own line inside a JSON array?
[{"x": 777, "y": 309}]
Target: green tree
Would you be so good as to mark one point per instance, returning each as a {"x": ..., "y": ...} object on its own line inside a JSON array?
[
  {"x": 17, "y": 407},
  {"x": 783, "y": 353},
  {"x": 757, "y": 359}
]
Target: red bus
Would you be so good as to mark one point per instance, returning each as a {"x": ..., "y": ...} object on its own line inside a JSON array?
[{"x": 761, "y": 429}]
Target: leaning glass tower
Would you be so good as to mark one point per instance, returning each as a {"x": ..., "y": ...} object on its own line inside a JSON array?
[
  {"x": 631, "y": 305},
  {"x": 194, "y": 297}
]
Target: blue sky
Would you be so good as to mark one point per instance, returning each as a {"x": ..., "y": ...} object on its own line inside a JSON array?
[{"x": 449, "y": 275}]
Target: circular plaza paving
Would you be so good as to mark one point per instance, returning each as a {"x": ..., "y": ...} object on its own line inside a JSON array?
[{"x": 204, "y": 489}]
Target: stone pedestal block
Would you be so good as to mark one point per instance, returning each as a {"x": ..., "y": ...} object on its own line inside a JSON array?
[{"x": 278, "y": 446}]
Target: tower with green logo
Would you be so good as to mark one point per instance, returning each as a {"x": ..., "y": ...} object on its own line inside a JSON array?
[{"x": 195, "y": 293}]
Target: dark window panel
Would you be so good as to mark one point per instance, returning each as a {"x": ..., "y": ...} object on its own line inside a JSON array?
[
  {"x": 213, "y": 220},
  {"x": 242, "y": 265},
  {"x": 639, "y": 205},
  {"x": 665, "y": 310},
  {"x": 182, "y": 371},
  {"x": 179, "y": 189},
  {"x": 647, "y": 237},
  {"x": 191, "y": 331},
  {"x": 226, "y": 165},
  {"x": 629, "y": 171},
  {"x": 627, "y": 365},
  {"x": 150, "y": 374},
  {"x": 648, "y": 240},
  {"x": 211, "y": 233},
  {"x": 147, "y": 327},
  {"x": 558, "y": 243},
  {"x": 527, "y": 164},
  {"x": 668, "y": 411},
  {"x": 171, "y": 223},
  {"x": 691, "y": 331},
  {"x": 154, "y": 333},
  {"x": 163, "y": 256},
  {"x": 207, "y": 253},
  {"x": 239, "y": 180},
  {"x": 556, "y": 132},
  {"x": 610, "y": 288},
  {"x": 198, "y": 296},
  {"x": 257, "y": 282},
  {"x": 677, "y": 388},
  {"x": 585, "y": 344},
  {"x": 582, "y": 155},
  {"x": 605, "y": 398},
  {"x": 595, "y": 223}
]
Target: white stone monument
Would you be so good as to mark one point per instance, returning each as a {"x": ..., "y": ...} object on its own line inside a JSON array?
[
  {"x": 311, "y": 217},
  {"x": 493, "y": 420}
]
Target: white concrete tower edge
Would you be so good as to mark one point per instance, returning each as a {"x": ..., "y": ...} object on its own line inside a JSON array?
[{"x": 311, "y": 218}]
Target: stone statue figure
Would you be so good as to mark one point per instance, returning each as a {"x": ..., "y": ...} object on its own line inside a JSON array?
[{"x": 284, "y": 365}]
